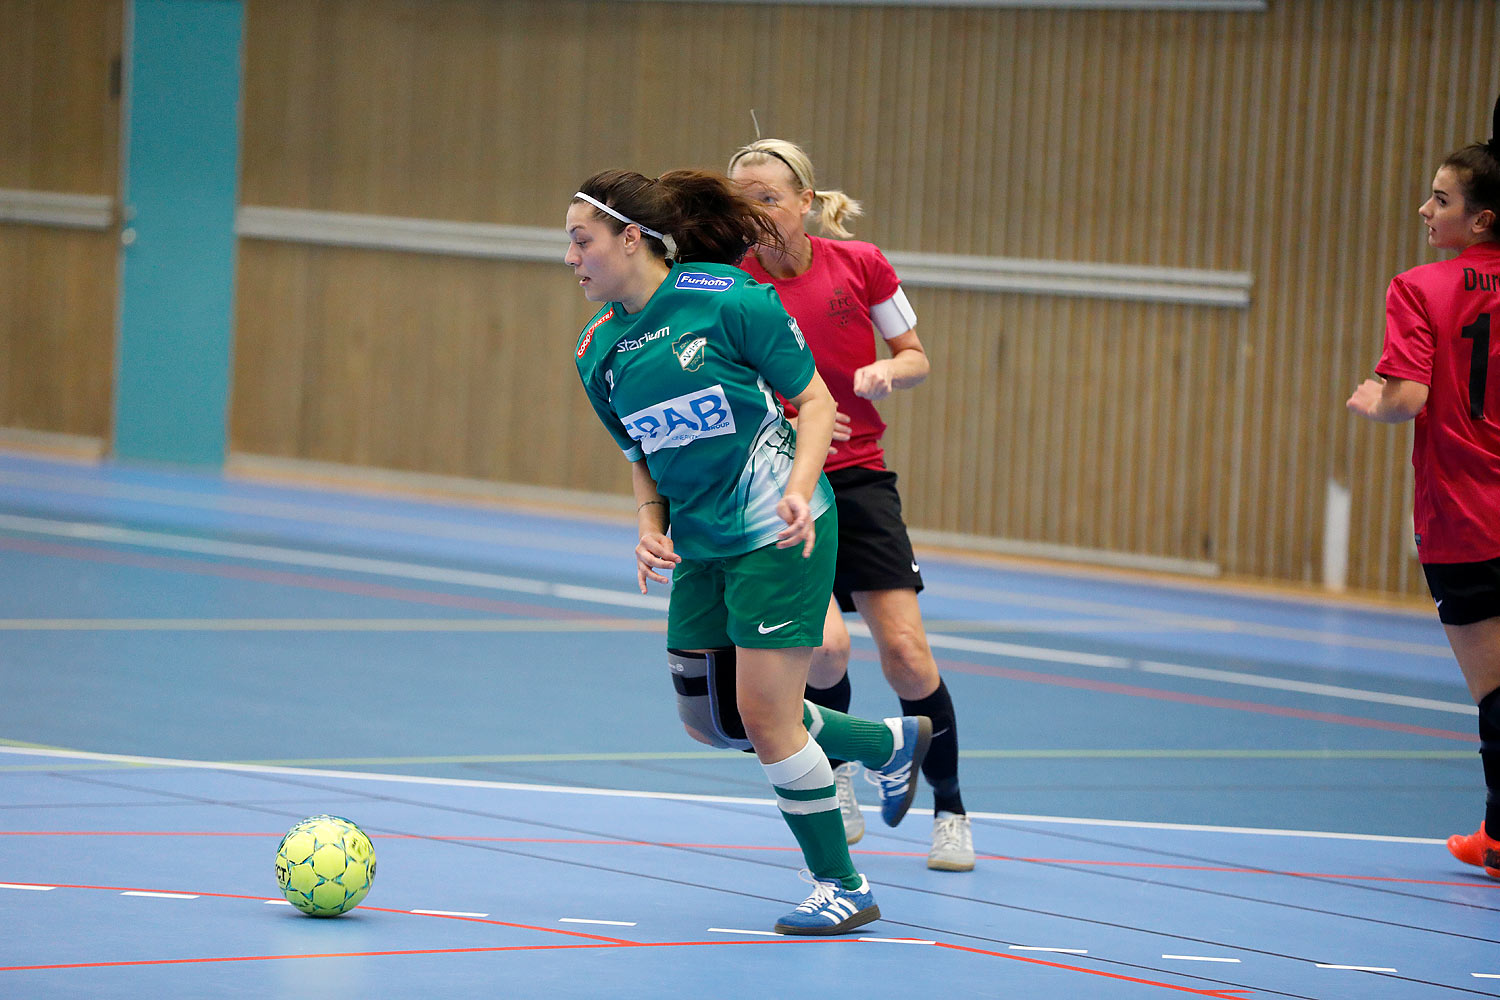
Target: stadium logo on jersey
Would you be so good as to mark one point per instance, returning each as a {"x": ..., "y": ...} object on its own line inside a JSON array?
[
  {"x": 690, "y": 350},
  {"x": 588, "y": 333},
  {"x": 632, "y": 343},
  {"x": 703, "y": 282},
  {"x": 796, "y": 332},
  {"x": 680, "y": 421}
]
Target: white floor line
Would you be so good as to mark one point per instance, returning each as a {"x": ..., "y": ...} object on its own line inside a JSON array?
[
  {"x": 160, "y": 895},
  {"x": 1059, "y": 951},
  {"x": 622, "y": 598},
  {"x": 877, "y": 940},
  {"x": 27, "y": 888},
  {"x": 448, "y": 913},
  {"x": 1303, "y": 687},
  {"x": 414, "y": 779},
  {"x": 305, "y": 513},
  {"x": 1199, "y": 958},
  {"x": 736, "y": 930},
  {"x": 606, "y": 923},
  {"x": 1355, "y": 968},
  {"x": 324, "y": 560}
]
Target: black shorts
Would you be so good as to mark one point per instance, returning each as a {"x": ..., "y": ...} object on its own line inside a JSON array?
[
  {"x": 874, "y": 551},
  {"x": 1465, "y": 592}
]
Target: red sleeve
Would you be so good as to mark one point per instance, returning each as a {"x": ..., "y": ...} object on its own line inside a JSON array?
[
  {"x": 880, "y": 277},
  {"x": 1408, "y": 334}
]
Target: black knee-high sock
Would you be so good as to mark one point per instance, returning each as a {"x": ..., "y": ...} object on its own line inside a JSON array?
[
  {"x": 941, "y": 766},
  {"x": 836, "y": 697},
  {"x": 1489, "y": 754}
]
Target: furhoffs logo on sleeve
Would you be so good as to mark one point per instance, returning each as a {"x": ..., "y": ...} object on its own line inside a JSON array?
[
  {"x": 703, "y": 282},
  {"x": 588, "y": 333},
  {"x": 690, "y": 349}
]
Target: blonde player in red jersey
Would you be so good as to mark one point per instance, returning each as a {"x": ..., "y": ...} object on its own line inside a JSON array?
[
  {"x": 1439, "y": 366},
  {"x": 844, "y": 294}
]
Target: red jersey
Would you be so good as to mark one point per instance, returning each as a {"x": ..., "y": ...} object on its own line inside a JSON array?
[
  {"x": 831, "y": 302},
  {"x": 1438, "y": 331}
]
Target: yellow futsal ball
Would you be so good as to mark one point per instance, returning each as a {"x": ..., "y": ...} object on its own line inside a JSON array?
[{"x": 325, "y": 865}]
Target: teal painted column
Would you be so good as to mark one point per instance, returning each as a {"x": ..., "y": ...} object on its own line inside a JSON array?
[{"x": 181, "y": 164}]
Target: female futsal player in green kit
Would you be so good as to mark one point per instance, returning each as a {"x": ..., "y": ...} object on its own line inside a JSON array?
[{"x": 683, "y": 364}]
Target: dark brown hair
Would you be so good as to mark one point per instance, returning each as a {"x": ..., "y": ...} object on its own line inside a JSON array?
[
  {"x": 706, "y": 217},
  {"x": 1478, "y": 168}
]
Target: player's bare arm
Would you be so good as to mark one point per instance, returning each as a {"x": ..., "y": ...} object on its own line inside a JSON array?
[
  {"x": 906, "y": 367},
  {"x": 653, "y": 552},
  {"x": 816, "y": 413},
  {"x": 1388, "y": 400}
]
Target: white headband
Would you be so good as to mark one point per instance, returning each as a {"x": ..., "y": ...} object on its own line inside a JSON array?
[{"x": 671, "y": 243}]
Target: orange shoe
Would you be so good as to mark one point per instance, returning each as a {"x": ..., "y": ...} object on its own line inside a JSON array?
[{"x": 1478, "y": 849}]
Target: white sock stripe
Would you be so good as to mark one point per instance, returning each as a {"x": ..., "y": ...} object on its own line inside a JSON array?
[
  {"x": 807, "y": 768},
  {"x": 807, "y": 807}
]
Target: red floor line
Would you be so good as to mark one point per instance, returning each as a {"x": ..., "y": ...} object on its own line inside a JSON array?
[
  {"x": 1220, "y": 994},
  {"x": 286, "y": 578},
  {"x": 1092, "y": 862},
  {"x": 1206, "y": 701},
  {"x": 376, "y": 909}
]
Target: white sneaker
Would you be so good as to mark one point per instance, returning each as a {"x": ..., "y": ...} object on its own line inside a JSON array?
[
  {"x": 952, "y": 843},
  {"x": 843, "y": 784}
]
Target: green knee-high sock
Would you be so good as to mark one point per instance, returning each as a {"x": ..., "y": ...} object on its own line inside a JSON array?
[
  {"x": 849, "y": 737},
  {"x": 804, "y": 791}
]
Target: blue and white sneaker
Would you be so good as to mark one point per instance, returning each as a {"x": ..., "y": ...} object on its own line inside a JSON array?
[
  {"x": 897, "y": 779},
  {"x": 831, "y": 909}
]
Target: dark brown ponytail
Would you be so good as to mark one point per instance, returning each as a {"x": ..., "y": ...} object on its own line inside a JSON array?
[
  {"x": 702, "y": 213},
  {"x": 1478, "y": 169}
]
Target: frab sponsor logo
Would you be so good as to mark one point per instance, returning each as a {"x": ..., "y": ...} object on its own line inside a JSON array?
[
  {"x": 682, "y": 420},
  {"x": 704, "y": 282},
  {"x": 588, "y": 333}
]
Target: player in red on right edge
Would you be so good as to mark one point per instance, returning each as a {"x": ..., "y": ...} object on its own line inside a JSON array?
[{"x": 1441, "y": 356}]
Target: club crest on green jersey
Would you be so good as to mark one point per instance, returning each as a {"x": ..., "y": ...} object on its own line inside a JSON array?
[{"x": 690, "y": 348}]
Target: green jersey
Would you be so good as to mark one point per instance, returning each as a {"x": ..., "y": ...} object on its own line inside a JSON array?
[{"x": 690, "y": 383}]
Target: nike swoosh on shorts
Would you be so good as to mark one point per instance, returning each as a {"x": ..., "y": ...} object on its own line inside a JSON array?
[{"x": 763, "y": 630}]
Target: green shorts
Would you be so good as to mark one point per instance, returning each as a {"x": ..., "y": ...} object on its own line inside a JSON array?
[{"x": 768, "y": 598}]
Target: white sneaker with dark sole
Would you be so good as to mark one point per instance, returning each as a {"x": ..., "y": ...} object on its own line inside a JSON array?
[
  {"x": 952, "y": 843},
  {"x": 843, "y": 784}
]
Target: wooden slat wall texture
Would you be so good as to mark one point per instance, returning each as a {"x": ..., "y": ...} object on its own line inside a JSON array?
[
  {"x": 59, "y": 131},
  {"x": 1294, "y": 144}
]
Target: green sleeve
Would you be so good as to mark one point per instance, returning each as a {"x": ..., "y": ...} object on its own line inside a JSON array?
[
  {"x": 770, "y": 342},
  {"x": 598, "y": 395}
]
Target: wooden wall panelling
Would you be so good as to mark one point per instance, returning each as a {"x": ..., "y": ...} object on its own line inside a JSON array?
[
  {"x": 59, "y": 133},
  {"x": 1289, "y": 144}
]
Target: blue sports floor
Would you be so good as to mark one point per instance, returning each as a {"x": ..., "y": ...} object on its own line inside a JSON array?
[{"x": 1177, "y": 789}]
